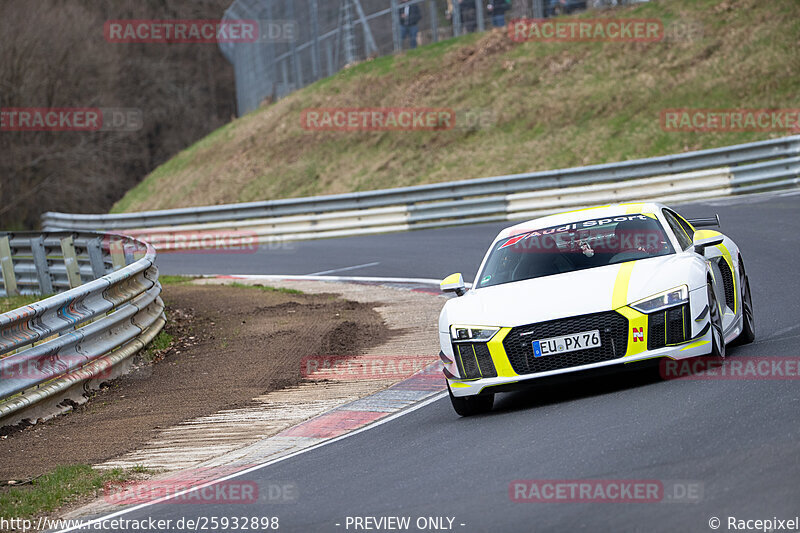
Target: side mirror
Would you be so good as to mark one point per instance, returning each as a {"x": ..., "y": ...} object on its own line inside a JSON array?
[
  {"x": 705, "y": 238},
  {"x": 454, "y": 283}
]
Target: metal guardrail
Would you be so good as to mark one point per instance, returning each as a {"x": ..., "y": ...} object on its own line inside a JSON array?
[
  {"x": 735, "y": 169},
  {"x": 111, "y": 308}
]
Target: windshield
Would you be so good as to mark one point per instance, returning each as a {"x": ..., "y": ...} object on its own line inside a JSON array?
[{"x": 576, "y": 246}]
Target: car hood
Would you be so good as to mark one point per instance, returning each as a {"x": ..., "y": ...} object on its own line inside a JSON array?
[{"x": 572, "y": 293}]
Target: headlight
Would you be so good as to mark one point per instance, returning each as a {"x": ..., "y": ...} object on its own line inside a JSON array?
[
  {"x": 662, "y": 300},
  {"x": 472, "y": 333}
]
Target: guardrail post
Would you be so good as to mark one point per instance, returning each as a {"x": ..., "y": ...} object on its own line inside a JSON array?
[
  {"x": 42, "y": 266},
  {"x": 71, "y": 262},
  {"x": 7, "y": 267},
  {"x": 95, "y": 251},
  {"x": 117, "y": 252},
  {"x": 128, "y": 254}
]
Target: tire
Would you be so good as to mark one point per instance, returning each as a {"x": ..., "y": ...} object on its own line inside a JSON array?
[
  {"x": 748, "y": 333},
  {"x": 715, "y": 317},
  {"x": 471, "y": 405}
]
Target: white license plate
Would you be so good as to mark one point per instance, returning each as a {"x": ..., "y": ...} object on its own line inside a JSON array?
[{"x": 567, "y": 343}]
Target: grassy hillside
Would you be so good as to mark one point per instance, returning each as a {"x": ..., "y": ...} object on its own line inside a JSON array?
[{"x": 555, "y": 105}]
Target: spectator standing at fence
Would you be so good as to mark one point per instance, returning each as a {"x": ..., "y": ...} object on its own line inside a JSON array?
[
  {"x": 469, "y": 15},
  {"x": 497, "y": 10},
  {"x": 410, "y": 15}
]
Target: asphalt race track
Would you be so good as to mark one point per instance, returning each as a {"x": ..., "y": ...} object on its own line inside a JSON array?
[{"x": 736, "y": 442}]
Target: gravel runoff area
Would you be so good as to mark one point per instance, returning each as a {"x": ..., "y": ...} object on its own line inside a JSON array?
[{"x": 236, "y": 373}]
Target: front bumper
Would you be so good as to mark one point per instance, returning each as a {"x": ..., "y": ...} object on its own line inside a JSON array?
[{"x": 628, "y": 336}]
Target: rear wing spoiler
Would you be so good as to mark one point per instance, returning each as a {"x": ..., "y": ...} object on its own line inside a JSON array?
[{"x": 704, "y": 222}]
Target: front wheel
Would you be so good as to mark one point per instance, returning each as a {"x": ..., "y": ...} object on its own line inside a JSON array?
[
  {"x": 715, "y": 316},
  {"x": 471, "y": 405}
]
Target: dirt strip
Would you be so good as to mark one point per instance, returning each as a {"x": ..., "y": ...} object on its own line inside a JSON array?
[
  {"x": 231, "y": 348},
  {"x": 411, "y": 319},
  {"x": 227, "y": 441}
]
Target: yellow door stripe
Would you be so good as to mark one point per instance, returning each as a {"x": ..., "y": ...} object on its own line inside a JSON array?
[{"x": 619, "y": 298}]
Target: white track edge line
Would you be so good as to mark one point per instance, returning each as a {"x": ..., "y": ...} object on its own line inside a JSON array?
[
  {"x": 354, "y": 267},
  {"x": 294, "y": 277}
]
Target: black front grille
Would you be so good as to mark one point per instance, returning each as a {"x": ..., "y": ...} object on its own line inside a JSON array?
[
  {"x": 474, "y": 360},
  {"x": 657, "y": 331},
  {"x": 670, "y": 326},
  {"x": 727, "y": 283},
  {"x": 613, "y": 329}
]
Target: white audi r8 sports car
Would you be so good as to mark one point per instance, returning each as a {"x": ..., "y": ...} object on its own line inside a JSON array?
[{"x": 587, "y": 289}]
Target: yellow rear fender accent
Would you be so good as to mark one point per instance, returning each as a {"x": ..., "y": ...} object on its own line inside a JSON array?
[
  {"x": 728, "y": 259},
  {"x": 706, "y": 234},
  {"x": 501, "y": 363}
]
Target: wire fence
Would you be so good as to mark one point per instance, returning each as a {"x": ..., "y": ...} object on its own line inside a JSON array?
[{"x": 302, "y": 41}]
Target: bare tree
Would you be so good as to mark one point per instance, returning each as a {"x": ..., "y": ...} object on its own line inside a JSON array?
[{"x": 54, "y": 54}]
